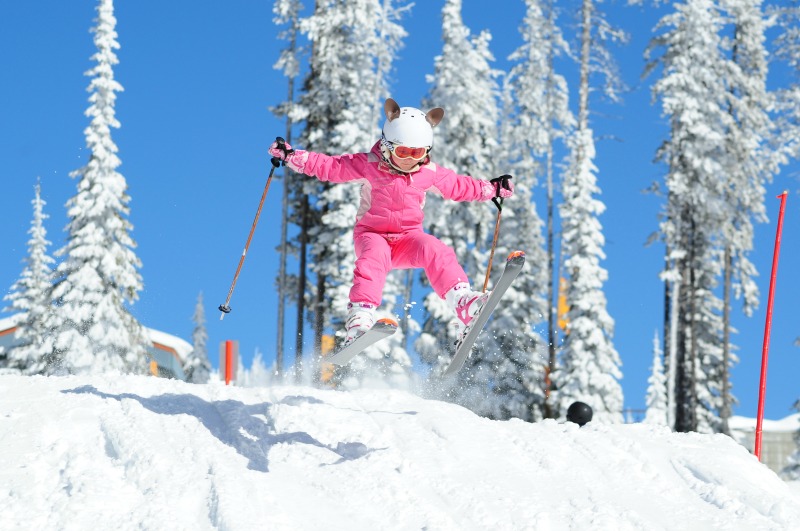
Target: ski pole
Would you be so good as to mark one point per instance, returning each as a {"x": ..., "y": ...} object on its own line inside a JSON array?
[
  {"x": 224, "y": 308},
  {"x": 498, "y": 202}
]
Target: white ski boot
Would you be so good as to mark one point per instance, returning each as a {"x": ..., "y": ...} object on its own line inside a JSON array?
[
  {"x": 360, "y": 318},
  {"x": 466, "y": 304}
]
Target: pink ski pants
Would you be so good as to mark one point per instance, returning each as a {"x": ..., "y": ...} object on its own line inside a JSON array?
[{"x": 377, "y": 254}]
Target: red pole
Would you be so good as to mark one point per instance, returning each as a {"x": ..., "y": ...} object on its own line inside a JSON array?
[
  {"x": 762, "y": 389},
  {"x": 228, "y": 361}
]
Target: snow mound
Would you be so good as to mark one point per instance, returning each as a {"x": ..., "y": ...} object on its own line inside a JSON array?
[{"x": 129, "y": 452}]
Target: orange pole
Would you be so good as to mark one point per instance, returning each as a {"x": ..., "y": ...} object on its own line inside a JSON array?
[
  {"x": 762, "y": 388},
  {"x": 228, "y": 361}
]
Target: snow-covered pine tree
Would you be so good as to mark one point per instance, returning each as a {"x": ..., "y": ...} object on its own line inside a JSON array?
[
  {"x": 751, "y": 160},
  {"x": 656, "y": 400},
  {"x": 466, "y": 141},
  {"x": 536, "y": 117},
  {"x": 590, "y": 367},
  {"x": 287, "y": 12},
  {"x": 788, "y": 98},
  {"x": 196, "y": 367},
  {"x": 709, "y": 332},
  {"x": 695, "y": 90},
  {"x": 258, "y": 375},
  {"x": 92, "y": 328},
  {"x": 751, "y": 163},
  {"x": 30, "y": 297},
  {"x": 387, "y": 361},
  {"x": 515, "y": 354},
  {"x": 353, "y": 45}
]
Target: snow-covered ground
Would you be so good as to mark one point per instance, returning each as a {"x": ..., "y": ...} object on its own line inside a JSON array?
[{"x": 130, "y": 452}]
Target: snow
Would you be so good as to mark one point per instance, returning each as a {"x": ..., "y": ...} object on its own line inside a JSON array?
[{"x": 135, "y": 452}]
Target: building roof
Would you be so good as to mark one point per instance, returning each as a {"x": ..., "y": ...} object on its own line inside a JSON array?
[{"x": 158, "y": 338}]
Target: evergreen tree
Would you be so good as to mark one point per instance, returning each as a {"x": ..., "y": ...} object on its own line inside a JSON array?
[
  {"x": 713, "y": 89},
  {"x": 466, "y": 141},
  {"x": 353, "y": 45},
  {"x": 657, "y": 388},
  {"x": 590, "y": 367},
  {"x": 287, "y": 12},
  {"x": 788, "y": 98},
  {"x": 536, "y": 117},
  {"x": 196, "y": 367},
  {"x": 92, "y": 329},
  {"x": 258, "y": 375},
  {"x": 751, "y": 163},
  {"x": 590, "y": 364},
  {"x": 693, "y": 96},
  {"x": 30, "y": 296},
  {"x": 515, "y": 354}
]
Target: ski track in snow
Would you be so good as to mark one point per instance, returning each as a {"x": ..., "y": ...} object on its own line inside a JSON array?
[{"x": 143, "y": 453}]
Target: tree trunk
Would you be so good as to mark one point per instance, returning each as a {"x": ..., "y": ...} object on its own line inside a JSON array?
[
  {"x": 319, "y": 316},
  {"x": 683, "y": 334},
  {"x": 725, "y": 408},
  {"x": 693, "y": 354},
  {"x": 672, "y": 366},
  {"x": 686, "y": 417},
  {"x": 549, "y": 412},
  {"x": 669, "y": 363},
  {"x": 301, "y": 288},
  {"x": 681, "y": 384},
  {"x": 284, "y": 246}
]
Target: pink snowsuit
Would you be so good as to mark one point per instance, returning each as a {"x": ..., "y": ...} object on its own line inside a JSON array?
[{"x": 388, "y": 233}]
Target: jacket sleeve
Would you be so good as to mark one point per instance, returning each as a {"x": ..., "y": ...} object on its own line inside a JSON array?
[
  {"x": 461, "y": 187},
  {"x": 332, "y": 168}
]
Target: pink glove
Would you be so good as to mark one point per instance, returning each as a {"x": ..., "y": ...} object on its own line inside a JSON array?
[
  {"x": 503, "y": 187},
  {"x": 294, "y": 158},
  {"x": 280, "y": 152}
]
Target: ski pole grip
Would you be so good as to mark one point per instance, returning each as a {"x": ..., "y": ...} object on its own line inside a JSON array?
[
  {"x": 500, "y": 182},
  {"x": 286, "y": 152}
]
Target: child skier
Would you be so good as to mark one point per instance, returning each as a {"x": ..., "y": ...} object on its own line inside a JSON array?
[{"x": 388, "y": 234}]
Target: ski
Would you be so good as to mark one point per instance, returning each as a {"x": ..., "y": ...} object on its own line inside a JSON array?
[
  {"x": 514, "y": 265},
  {"x": 383, "y": 328}
]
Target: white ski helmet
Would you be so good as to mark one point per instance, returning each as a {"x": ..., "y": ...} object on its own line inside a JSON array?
[{"x": 408, "y": 126}]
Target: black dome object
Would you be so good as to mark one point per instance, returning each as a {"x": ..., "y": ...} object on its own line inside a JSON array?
[{"x": 579, "y": 413}]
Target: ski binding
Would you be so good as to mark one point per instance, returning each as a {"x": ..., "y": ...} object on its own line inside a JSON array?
[
  {"x": 381, "y": 329},
  {"x": 514, "y": 265}
]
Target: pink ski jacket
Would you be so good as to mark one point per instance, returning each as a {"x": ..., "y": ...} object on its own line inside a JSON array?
[{"x": 391, "y": 201}]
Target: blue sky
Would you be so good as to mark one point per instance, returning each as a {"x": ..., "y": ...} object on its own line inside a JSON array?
[{"x": 198, "y": 81}]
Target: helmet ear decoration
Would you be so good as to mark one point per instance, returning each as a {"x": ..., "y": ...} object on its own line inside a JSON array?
[
  {"x": 434, "y": 116},
  {"x": 391, "y": 109}
]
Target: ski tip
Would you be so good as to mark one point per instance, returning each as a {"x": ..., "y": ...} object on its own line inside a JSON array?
[
  {"x": 516, "y": 254},
  {"x": 387, "y": 321}
]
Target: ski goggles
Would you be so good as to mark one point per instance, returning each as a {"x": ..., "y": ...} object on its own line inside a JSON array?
[{"x": 405, "y": 152}]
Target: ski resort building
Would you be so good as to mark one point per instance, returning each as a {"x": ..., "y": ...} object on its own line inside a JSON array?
[
  {"x": 777, "y": 438},
  {"x": 166, "y": 352}
]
